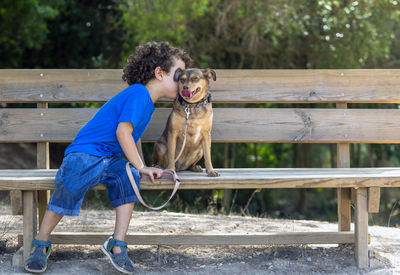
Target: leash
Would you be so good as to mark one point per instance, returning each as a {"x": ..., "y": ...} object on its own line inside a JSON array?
[
  {"x": 166, "y": 174},
  {"x": 187, "y": 111}
]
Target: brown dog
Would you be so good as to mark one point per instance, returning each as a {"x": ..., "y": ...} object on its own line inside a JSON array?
[{"x": 191, "y": 116}]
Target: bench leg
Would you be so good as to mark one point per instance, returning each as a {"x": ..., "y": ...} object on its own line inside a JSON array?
[
  {"x": 344, "y": 209},
  {"x": 43, "y": 200},
  {"x": 361, "y": 227},
  {"x": 374, "y": 197},
  {"x": 16, "y": 202},
  {"x": 29, "y": 220}
]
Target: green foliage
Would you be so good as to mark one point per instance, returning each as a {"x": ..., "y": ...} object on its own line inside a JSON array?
[
  {"x": 269, "y": 34},
  {"x": 159, "y": 20},
  {"x": 355, "y": 33},
  {"x": 23, "y": 27},
  {"x": 59, "y": 34}
]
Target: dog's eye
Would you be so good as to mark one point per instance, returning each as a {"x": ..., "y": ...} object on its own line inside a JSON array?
[
  {"x": 182, "y": 80},
  {"x": 195, "y": 78}
]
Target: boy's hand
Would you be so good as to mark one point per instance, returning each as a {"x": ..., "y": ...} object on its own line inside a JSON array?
[{"x": 151, "y": 172}]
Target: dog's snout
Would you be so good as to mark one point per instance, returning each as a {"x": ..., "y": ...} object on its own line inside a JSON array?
[{"x": 185, "y": 88}]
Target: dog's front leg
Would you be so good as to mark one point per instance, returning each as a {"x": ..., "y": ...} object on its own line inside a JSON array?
[
  {"x": 171, "y": 140},
  {"x": 207, "y": 156}
]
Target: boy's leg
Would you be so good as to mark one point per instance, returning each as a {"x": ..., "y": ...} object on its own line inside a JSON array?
[
  {"x": 121, "y": 195},
  {"x": 123, "y": 217},
  {"x": 50, "y": 220},
  {"x": 78, "y": 173},
  {"x": 116, "y": 247},
  {"x": 41, "y": 246},
  {"x": 122, "y": 198}
]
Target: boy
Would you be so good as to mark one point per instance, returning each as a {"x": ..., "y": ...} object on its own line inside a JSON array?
[{"x": 97, "y": 152}]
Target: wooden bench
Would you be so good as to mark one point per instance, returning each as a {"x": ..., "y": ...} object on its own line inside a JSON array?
[{"x": 341, "y": 125}]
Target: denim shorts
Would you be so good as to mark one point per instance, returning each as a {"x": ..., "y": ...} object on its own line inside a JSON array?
[{"x": 80, "y": 172}]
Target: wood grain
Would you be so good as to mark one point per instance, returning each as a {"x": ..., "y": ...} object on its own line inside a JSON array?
[
  {"x": 285, "y": 125},
  {"x": 29, "y": 220},
  {"x": 42, "y": 162},
  {"x": 344, "y": 194},
  {"x": 361, "y": 228},
  {"x": 244, "y": 178},
  {"x": 239, "y": 86},
  {"x": 210, "y": 239},
  {"x": 16, "y": 202},
  {"x": 374, "y": 198}
]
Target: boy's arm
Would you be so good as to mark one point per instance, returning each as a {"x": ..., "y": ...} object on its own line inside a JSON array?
[
  {"x": 125, "y": 139},
  {"x": 140, "y": 151}
]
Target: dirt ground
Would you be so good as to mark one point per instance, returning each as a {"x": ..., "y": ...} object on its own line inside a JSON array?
[{"x": 304, "y": 259}]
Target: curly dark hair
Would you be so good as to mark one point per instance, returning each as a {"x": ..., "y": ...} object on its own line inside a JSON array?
[{"x": 140, "y": 66}]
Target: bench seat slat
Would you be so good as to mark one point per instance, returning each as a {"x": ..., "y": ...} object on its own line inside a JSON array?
[
  {"x": 241, "y": 178},
  {"x": 284, "y": 125},
  {"x": 240, "y": 86}
]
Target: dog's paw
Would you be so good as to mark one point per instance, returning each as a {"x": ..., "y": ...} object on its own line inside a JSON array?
[
  {"x": 196, "y": 168},
  {"x": 213, "y": 173}
]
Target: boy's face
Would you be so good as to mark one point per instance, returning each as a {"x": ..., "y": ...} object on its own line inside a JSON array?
[{"x": 171, "y": 86}]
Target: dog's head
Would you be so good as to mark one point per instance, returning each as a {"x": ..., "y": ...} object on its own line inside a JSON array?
[{"x": 194, "y": 83}]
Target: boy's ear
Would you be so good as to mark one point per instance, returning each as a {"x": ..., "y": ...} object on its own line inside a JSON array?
[
  {"x": 178, "y": 74},
  {"x": 158, "y": 73},
  {"x": 208, "y": 73}
]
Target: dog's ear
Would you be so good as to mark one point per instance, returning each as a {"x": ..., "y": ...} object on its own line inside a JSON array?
[
  {"x": 178, "y": 74},
  {"x": 208, "y": 73}
]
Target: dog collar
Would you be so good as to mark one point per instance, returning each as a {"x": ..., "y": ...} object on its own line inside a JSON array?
[{"x": 204, "y": 101}]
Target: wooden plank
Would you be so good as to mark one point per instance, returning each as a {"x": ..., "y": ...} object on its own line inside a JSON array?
[
  {"x": 374, "y": 196},
  {"x": 59, "y": 85},
  {"x": 197, "y": 239},
  {"x": 243, "y": 178},
  {"x": 209, "y": 239},
  {"x": 16, "y": 202},
  {"x": 361, "y": 228},
  {"x": 43, "y": 155},
  {"x": 42, "y": 162},
  {"x": 43, "y": 197},
  {"x": 344, "y": 209},
  {"x": 343, "y": 161},
  {"x": 240, "y": 86},
  {"x": 229, "y": 125},
  {"x": 29, "y": 221},
  {"x": 42, "y": 125}
]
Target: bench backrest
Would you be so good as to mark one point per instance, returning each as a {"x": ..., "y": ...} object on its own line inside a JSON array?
[{"x": 241, "y": 121}]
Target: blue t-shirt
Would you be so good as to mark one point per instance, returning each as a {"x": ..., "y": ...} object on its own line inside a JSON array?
[{"x": 98, "y": 137}]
